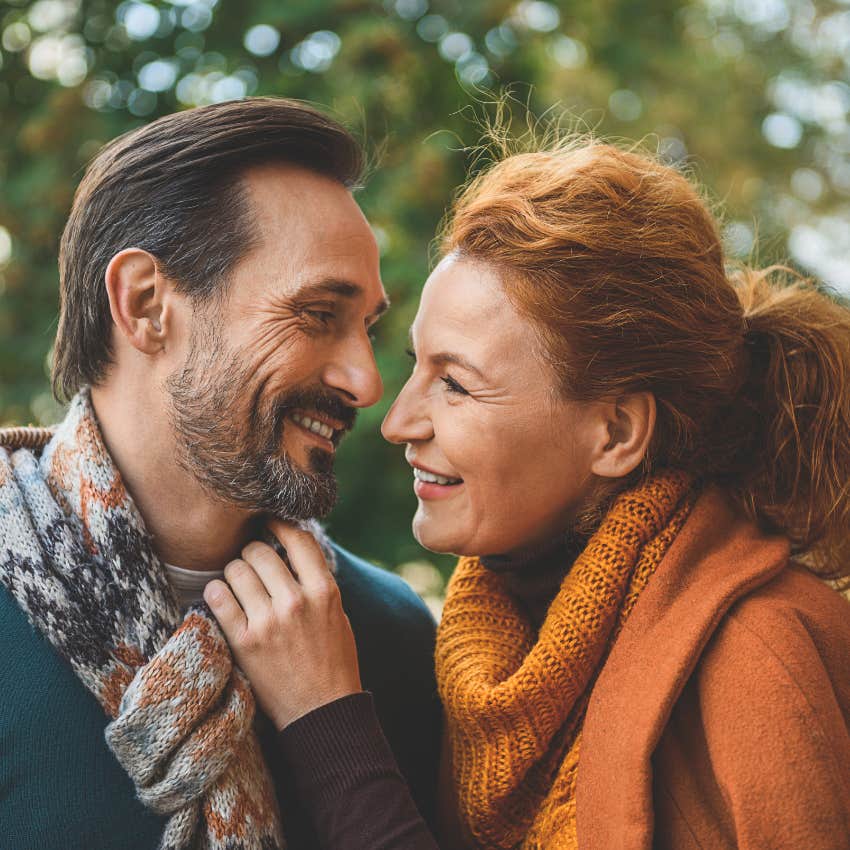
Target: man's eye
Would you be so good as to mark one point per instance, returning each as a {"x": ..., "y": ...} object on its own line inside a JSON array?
[
  {"x": 453, "y": 386},
  {"x": 324, "y": 316},
  {"x": 410, "y": 353}
]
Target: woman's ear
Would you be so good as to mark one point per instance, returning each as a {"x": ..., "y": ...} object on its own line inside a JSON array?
[
  {"x": 631, "y": 424},
  {"x": 138, "y": 299}
]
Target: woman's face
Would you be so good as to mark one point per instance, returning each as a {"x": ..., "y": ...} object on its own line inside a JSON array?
[{"x": 482, "y": 411}]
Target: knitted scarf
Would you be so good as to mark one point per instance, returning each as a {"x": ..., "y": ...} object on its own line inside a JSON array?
[
  {"x": 75, "y": 555},
  {"x": 515, "y": 700}
]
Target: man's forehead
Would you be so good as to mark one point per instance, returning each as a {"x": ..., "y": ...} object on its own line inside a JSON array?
[
  {"x": 311, "y": 226},
  {"x": 292, "y": 191},
  {"x": 338, "y": 264}
]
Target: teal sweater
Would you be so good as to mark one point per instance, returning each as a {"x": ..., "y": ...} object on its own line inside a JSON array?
[{"x": 61, "y": 787}]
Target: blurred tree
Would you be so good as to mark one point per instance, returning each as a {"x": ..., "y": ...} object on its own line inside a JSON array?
[{"x": 753, "y": 95}]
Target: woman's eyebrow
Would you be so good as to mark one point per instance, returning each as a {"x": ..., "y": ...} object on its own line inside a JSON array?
[{"x": 448, "y": 357}]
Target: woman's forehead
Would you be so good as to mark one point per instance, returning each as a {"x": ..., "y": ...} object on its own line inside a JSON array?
[
  {"x": 464, "y": 305},
  {"x": 459, "y": 288}
]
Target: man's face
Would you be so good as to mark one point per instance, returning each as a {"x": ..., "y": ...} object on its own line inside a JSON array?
[{"x": 277, "y": 368}]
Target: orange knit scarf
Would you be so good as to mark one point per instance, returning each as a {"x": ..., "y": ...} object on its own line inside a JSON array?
[{"x": 515, "y": 701}]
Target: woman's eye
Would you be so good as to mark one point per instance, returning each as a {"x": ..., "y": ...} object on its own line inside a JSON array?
[{"x": 453, "y": 386}]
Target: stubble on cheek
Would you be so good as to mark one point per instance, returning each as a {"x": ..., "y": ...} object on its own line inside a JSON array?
[
  {"x": 270, "y": 348},
  {"x": 268, "y": 371},
  {"x": 229, "y": 422}
]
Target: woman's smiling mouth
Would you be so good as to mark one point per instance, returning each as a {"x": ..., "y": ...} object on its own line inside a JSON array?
[{"x": 433, "y": 485}]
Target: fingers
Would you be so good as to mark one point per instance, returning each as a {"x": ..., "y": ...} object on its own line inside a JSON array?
[
  {"x": 305, "y": 556},
  {"x": 247, "y": 587},
  {"x": 272, "y": 571},
  {"x": 227, "y": 610}
]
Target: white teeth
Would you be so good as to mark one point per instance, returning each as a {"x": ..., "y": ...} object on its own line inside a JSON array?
[
  {"x": 431, "y": 478},
  {"x": 314, "y": 425}
]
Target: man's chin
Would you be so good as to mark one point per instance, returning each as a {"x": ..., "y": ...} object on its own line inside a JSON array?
[
  {"x": 320, "y": 462},
  {"x": 277, "y": 487},
  {"x": 309, "y": 460}
]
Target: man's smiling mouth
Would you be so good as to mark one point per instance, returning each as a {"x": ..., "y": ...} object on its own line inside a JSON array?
[{"x": 330, "y": 430}]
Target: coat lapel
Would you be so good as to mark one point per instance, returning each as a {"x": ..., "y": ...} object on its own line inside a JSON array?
[{"x": 717, "y": 558}]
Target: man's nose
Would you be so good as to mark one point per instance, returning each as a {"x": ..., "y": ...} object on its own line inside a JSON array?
[{"x": 355, "y": 374}]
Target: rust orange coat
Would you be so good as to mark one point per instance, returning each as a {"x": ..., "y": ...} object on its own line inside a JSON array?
[{"x": 721, "y": 718}]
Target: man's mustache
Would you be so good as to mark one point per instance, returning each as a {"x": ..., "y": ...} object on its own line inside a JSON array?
[{"x": 320, "y": 401}]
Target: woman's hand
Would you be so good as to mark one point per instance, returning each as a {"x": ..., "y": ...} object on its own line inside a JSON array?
[{"x": 288, "y": 633}]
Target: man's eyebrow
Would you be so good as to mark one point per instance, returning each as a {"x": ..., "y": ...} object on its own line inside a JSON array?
[
  {"x": 380, "y": 309},
  {"x": 343, "y": 288}
]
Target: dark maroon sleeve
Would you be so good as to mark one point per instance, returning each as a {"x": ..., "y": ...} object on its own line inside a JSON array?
[{"x": 348, "y": 780}]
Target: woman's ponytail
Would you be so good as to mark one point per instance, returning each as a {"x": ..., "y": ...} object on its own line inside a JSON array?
[{"x": 798, "y": 389}]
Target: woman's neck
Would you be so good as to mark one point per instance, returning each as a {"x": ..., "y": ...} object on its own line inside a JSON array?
[{"x": 534, "y": 576}]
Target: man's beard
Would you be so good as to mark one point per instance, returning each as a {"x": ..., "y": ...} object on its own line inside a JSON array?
[{"x": 230, "y": 439}]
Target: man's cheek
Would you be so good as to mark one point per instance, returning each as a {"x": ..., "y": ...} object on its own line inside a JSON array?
[
  {"x": 276, "y": 340},
  {"x": 283, "y": 369}
]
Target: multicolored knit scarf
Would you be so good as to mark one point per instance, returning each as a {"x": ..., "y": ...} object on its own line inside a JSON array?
[
  {"x": 75, "y": 555},
  {"x": 515, "y": 700}
]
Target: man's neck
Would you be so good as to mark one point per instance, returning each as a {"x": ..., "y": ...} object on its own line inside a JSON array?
[{"x": 189, "y": 528}]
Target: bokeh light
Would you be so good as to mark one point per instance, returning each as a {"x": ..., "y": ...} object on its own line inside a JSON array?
[
  {"x": 739, "y": 239},
  {"x": 61, "y": 58},
  {"x": 807, "y": 184},
  {"x": 455, "y": 46},
  {"x": 159, "y": 75},
  {"x": 16, "y": 37},
  {"x": 47, "y": 15},
  {"x": 537, "y": 15},
  {"x": 568, "y": 52},
  {"x": 501, "y": 40},
  {"x": 625, "y": 104},
  {"x": 5, "y": 246},
  {"x": 824, "y": 247},
  {"x": 196, "y": 17},
  {"x": 141, "y": 20},
  {"x": 316, "y": 52},
  {"x": 782, "y": 131},
  {"x": 409, "y": 10},
  {"x": 432, "y": 28},
  {"x": 261, "y": 40}
]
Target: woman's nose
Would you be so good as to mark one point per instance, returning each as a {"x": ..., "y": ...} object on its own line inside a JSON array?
[{"x": 407, "y": 420}]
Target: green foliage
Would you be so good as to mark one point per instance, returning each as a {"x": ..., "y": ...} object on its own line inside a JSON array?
[{"x": 753, "y": 96}]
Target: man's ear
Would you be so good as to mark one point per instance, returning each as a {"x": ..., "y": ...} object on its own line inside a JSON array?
[
  {"x": 138, "y": 299},
  {"x": 631, "y": 424}
]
